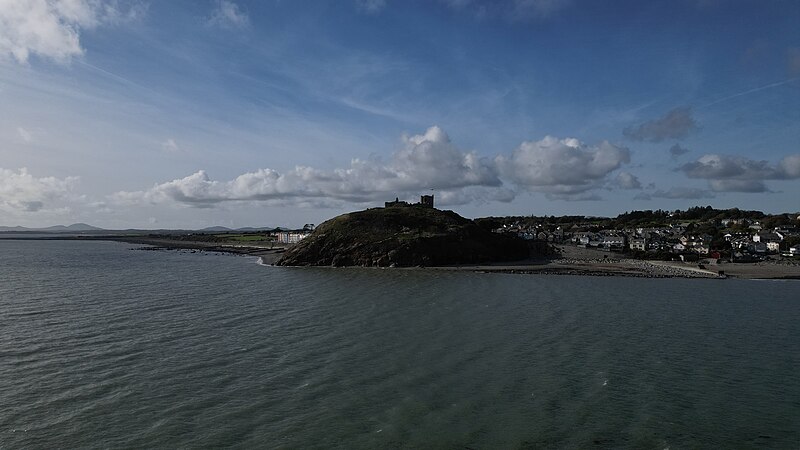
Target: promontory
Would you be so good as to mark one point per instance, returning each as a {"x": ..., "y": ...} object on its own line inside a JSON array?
[{"x": 402, "y": 235}]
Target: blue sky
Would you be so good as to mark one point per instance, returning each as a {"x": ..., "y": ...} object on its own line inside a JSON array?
[{"x": 198, "y": 113}]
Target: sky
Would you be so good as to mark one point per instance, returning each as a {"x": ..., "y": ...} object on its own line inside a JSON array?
[{"x": 188, "y": 114}]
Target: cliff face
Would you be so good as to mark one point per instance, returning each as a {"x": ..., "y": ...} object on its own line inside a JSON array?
[{"x": 402, "y": 237}]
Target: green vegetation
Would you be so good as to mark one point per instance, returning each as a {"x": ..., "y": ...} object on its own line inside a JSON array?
[
  {"x": 244, "y": 237},
  {"x": 402, "y": 236},
  {"x": 705, "y": 218}
]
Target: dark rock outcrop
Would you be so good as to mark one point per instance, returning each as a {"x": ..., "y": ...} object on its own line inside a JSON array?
[{"x": 402, "y": 237}]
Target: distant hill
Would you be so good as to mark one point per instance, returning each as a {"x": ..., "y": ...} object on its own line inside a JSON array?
[
  {"x": 216, "y": 229},
  {"x": 85, "y": 228},
  {"x": 402, "y": 237},
  {"x": 74, "y": 228}
]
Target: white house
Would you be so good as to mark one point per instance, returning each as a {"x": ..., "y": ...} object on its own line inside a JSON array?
[
  {"x": 290, "y": 237},
  {"x": 638, "y": 244}
]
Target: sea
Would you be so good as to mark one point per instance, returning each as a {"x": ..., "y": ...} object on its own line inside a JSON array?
[{"x": 105, "y": 345}]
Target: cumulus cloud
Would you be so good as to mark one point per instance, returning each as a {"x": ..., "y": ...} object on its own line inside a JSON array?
[
  {"x": 626, "y": 180},
  {"x": 561, "y": 167},
  {"x": 426, "y": 161},
  {"x": 727, "y": 173},
  {"x": 227, "y": 14},
  {"x": 676, "y": 150},
  {"x": 21, "y": 191},
  {"x": 682, "y": 193},
  {"x": 51, "y": 28},
  {"x": 676, "y": 124}
]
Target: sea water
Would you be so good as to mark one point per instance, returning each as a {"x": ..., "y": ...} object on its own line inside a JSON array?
[{"x": 102, "y": 345}]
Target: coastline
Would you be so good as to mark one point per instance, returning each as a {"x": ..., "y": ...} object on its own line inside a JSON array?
[
  {"x": 589, "y": 262},
  {"x": 571, "y": 261},
  {"x": 268, "y": 255}
]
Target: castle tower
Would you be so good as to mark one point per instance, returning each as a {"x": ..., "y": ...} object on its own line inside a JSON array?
[{"x": 426, "y": 201}]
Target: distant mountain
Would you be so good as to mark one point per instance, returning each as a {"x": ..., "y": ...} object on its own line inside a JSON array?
[
  {"x": 15, "y": 229},
  {"x": 216, "y": 229},
  {"x": 252, "y": 229},
  {"x": 85, "y": 228},
  {"x": 74, "y": 228}
]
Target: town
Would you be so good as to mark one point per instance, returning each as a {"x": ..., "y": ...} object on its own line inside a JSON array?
[{"x": 699, "y": 232}]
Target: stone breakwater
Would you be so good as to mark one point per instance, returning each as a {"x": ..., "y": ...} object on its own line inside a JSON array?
[{"x": 616, "y": 267}]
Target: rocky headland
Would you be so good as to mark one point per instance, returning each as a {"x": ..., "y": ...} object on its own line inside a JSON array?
[{"x": 402, "y": 237}]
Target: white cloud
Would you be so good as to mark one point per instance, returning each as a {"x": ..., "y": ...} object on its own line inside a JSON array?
[
  {"x": 51, "y": 28},
  {"x": 561, "y": 167},
  {"x": 25, "y": 135},
  {"x": 227, "y": 14},
  {"x": 427, "y": 161},
  {"x": 626, "y": 180},
  {"x": 789, "y": 167},
  {"x": 728, "y": 173},
  {"x": 21, "y": 191},
  {"x": 170, "y": 145}
]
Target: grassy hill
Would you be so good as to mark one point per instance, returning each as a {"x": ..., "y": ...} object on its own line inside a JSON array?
[{"x": 402, "y": 237}]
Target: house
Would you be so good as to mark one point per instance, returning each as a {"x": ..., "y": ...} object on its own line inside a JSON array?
[
  {"x": 794, "y": 250},
  {"x": 773, "y": 247},
  {"x": 638, "y": 244},
  {"x": 613, "y": 241},
  {"x": 291, "y": 237},
  {"x": 767, "y": 237}
]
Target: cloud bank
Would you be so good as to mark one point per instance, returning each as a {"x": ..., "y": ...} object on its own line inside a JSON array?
[
  {"x": 562, "y": 168},
  {"x": 727, "y": 173},
  {"x": 21, "y": 191},
  {"x": 676, "y": 124}
]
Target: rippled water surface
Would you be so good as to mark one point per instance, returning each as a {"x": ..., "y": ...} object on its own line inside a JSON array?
[{"x": 102, "y": 346}]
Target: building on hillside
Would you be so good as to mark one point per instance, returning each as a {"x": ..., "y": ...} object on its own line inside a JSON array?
[
  {"x": 767, "y": 237},
  {"x": 425, "y": 201},
  {"x": 638, "y": 244},
  {"x": 396, "y": 203},
  {"x": 290, "y": 237}
]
